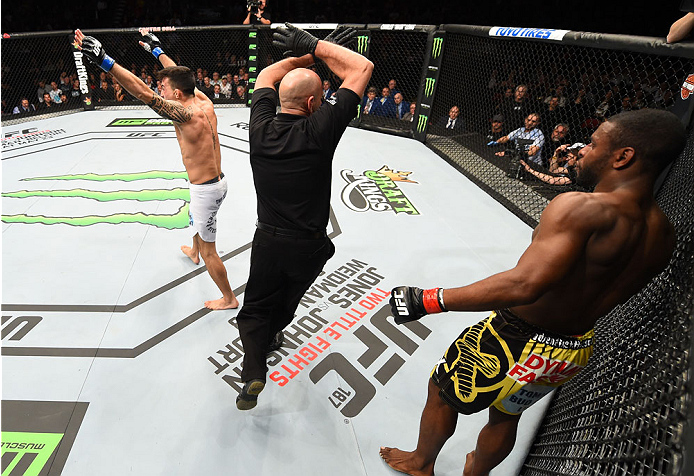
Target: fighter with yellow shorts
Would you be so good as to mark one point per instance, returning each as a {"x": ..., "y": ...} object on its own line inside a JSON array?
[{"x": 504, "y": 362}]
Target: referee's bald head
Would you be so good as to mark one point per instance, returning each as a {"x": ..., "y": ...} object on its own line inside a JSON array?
[{"x": 301, "y": 91}]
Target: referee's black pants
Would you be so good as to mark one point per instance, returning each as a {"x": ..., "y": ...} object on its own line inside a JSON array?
[{"x": 282, "y": 269}]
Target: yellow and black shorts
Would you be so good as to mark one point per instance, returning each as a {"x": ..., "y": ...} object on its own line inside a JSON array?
[{"x": 507, "y": 363}]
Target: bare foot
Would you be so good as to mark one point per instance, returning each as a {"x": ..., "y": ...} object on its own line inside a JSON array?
[
  {"x": 469, "y": 463},
  {"x": 188, "y": 251},
  {"x": 404, "y": 462},
  {"x": 222, "y": 303}
]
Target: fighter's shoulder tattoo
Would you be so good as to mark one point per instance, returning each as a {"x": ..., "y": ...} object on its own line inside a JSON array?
[{"x": 170, "y": 109}]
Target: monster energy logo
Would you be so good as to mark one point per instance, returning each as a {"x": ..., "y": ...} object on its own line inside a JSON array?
[
  {"x": 252, "y": 58},
  {"x": 362, "y": 43},
  {"x": 429, "y": 86},
  {"x": 422, "y": 123},
  {"x": 436, "y": 49},
  {"x": 252, "y": 46},
  {"x": 252, "y": 34},
  {"x": 178, "y": 220},
  {"x": 252, "y": 69}
]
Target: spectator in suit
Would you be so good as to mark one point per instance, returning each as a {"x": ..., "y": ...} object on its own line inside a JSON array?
[
  {"x": 199, "y": 79},
  {"x": 24, "y": 106},
  {"x": 386, "y": 104},
  {"x": 327, "y": 90},
  {"x": 452, "y": 122},
  {"x": 409, "y": 116},
  {"x": 369, "y": 104},
  {"x": 401, "y": 106},
  {"x": 240, "y": 97},
  {"x": 217, "y": 93}
]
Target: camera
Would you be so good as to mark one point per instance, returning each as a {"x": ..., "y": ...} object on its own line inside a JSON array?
[
  {"x": 253, "y": 5},
  {"x": 515, "y": 170}
]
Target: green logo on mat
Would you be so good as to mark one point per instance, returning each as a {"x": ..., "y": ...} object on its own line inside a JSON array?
[
  {"x": 32, "y": 448},
  {"x": 178, "y": 220},
  {"x": 362, "y": 44},
  {"x": 429, "y": 86},
  {"x": 436, "y": 49},
  {"x": 421, "y": 125}
]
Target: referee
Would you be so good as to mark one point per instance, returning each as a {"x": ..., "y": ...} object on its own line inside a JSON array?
[{"x": 291, "y": 158}]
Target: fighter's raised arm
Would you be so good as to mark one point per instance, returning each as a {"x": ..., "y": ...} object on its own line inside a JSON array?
[{"x": 94, "y": 51}]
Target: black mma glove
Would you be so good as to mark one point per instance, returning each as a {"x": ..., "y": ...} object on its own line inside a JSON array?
[
  {"x": 342, "y": 35},
  {"x": 409, "y": 303},
  {"x": 151, "y": 44},
  {"x": 94, "y": 52},
  {"x": 294, "y": 41}
]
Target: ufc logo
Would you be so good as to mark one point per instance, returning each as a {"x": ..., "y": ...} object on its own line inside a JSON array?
[{"x": 400, "y": 304}]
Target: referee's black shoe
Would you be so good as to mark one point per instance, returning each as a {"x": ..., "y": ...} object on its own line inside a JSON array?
[
  {"x": 276, "y": 342},
  {"x": 248, "y": 398}
]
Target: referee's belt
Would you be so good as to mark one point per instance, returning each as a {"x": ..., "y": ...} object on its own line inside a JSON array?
[{"x": 277, "y": 231}]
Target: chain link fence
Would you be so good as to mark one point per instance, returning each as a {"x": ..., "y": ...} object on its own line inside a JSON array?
[{"x": 626, "y": 413}]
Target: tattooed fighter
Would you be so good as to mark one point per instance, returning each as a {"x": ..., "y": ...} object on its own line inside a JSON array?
[{"x": 196, "y": 130}]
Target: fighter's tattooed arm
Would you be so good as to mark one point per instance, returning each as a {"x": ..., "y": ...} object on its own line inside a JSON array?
[{"x": 170, "y": 109}]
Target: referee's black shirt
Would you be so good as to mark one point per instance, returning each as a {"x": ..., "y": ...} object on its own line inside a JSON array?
[{"x": 291, "y": 158}]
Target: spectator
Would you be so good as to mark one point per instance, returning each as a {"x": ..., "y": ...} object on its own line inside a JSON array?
[
  {"x": 369, "y": 104},
  {"x": 206, "y": 88},
  {"x": 258, "y": 15},
  {"x": 24, "y": 106},
  {"x": 55, "y": 92},
  {"x": 217, "y": 93},
  {"x": 559, "y": 136},
  {"x": 240, "y": 97},
  {"x": 225, "y": 87},
  {"x": 149, "y": 81},
  {"x": 452, "y": 122},
  {"x": 75, "y": 93},
  {"x": 401, "y": 106},
  {"x": 327, "y": 90},
  {"x": 519, "y": 108},
  {"x": 529, "y": 132},
  {"x": 215, "y": 79},
  {"x": 199, "y": 79},
  {"x": 496, "y": 130},
  {"x": 105, "y": 92},
  {"x": 562, "y": 170},
  {"x": 47, "y": 103},
  {"x": 65, "y": 84},
  {"x": 386, "y": 104},
  {"x": 118, "y": 93},
  {"x": 552, "y": 113},
  {"x": 42, "y": 89},
  {"x": 409, "y": 116},
  {"x": 559, "y": 94},
  {"x": 392, "y": 86},
  {"x": 63, "y": 99}
]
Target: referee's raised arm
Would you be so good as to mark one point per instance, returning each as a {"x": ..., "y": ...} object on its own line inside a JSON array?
[{"x": 354, "y": 69}]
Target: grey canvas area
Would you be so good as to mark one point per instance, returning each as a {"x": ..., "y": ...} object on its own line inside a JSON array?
[{"x": 103, "y": 315}]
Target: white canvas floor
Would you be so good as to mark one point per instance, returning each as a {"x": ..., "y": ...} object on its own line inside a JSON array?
[{"x": 111, "y": 362}]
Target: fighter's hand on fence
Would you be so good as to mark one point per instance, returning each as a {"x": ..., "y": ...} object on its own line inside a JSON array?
[
  {"x": 408, "y": 303},
  {"x": 93, "y": 50},
  {"x": 492, "y": 143},
  {"x": 342, "y": 35},
  {"x": 294, "y": 41},
  {"x": 150, "y": 43}
]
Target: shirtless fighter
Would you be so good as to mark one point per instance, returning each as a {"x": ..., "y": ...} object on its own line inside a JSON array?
[
  {"x": 602, "y": 247},
  {"x": 196, "y": 130}
]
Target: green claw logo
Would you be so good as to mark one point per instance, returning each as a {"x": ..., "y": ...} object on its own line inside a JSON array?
[
  {"x": 429, "y": 86},
  {"x": 178, "y": 220},
  {"x": 252, "y": 34},
  {"x": 252, "y": 58},
  {"x": 362, "y": 44},
  {"x": 436, "y": 50},
  {"x": 421, "y": 125},
  {"x": 252, "y": 46}
]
